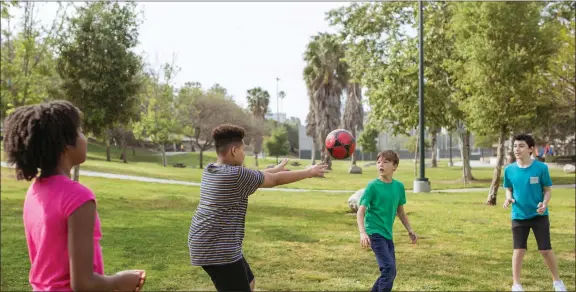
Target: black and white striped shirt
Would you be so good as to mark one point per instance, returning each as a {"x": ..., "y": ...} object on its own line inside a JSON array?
[{"x": 217, "y": 228}]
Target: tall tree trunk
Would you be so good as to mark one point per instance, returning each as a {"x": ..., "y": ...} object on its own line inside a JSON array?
[
  {"x": 465, "y": 153},
  {"x": 511, "y": 158},
  {"x": 164, "y": 160},
  {"x": 353, "y": 155},
  {"x": 434, "y": 134},
  {"x": 76, "y": 174},
  {"x": 201, "y": 158},
  {"x": 497, "y": 170},
  {"x": 133, "y": 151},
  {"x": 326, "y": 159},
  {"x": 108, "y": 148},
  {"x": 124, "y": 146},
  {"x": 313, "y": 158},
  {"x": 256, "y": 159}
]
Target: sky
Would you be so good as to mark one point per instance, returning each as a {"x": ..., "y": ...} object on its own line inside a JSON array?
[{"x": 238, "y": 45}]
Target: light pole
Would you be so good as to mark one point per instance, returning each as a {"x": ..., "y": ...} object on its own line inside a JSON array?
[{"x": 421, "y": 184}]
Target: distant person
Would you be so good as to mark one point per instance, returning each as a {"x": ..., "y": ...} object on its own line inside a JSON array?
[
  {"x": 61, "y": 223},
  {"x": 528, "y": 190},
  {"x": 383, "y": 199},
  {"x": 217, "y": 228}
]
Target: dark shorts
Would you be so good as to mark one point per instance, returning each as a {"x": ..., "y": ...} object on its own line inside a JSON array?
[
  {"x": 541, "y": 227},
  {"x": 235, "y": 276}
]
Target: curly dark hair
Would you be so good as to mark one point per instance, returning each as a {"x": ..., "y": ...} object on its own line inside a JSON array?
[
  {"x": 36, "y": 136},
  {"x": 390, "y": 156},
  {"x": 225, "y": 135}
]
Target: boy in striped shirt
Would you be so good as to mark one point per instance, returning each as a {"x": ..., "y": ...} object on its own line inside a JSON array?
[{"x": 217, "y": 228}]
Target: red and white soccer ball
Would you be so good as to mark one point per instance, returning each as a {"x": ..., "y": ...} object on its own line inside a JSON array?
[{"x": 340, "y": 144}]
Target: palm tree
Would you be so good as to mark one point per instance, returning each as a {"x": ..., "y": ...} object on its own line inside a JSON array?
[
  {"x": 311, "y": 130},
  {"x": 258, "y": 101},
  {"x": 325, "y": 76},
  {"x": 353, "y": 120}
]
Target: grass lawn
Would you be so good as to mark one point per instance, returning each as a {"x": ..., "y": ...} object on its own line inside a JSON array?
[
  {"x": 148, "y": 164},
  {"x": 305, "y": 241}
]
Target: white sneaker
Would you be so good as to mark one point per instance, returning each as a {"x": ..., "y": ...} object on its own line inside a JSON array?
[
  {"x": 517, "y": 287},
  {"x": 559, "y": 286}
]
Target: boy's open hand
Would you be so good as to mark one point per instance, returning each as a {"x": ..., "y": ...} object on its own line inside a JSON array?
[
  {"x": 364, "y": 240},
  {"x": 282, "y": 166},
  {"x": 317, "y": 170},
  {"x": 508, "y": 201}
]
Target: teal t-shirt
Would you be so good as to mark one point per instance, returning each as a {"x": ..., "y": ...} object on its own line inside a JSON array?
[
  {"x": 527, "y": 186},
  {"x": 381, "y": 201}
]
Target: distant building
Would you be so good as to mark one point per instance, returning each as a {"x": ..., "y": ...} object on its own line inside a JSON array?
[{"x": 274, "y": 116}]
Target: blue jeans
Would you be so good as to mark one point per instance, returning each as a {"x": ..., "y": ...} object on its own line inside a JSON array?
[{"x": 384, "y": 251}]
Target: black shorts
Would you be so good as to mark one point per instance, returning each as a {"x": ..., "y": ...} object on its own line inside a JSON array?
[
  {"x": 541, "y": 227},
  {"x": 235, "y": 276}
]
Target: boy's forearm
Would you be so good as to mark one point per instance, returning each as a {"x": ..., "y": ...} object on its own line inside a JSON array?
[
  {"x": 404, "y": 219},
  {"x": 271, "y": 170},
  {"x": 360, "y": 220},
  {"x": 508, "y": 194},
  {"x": 286, "y": 177},
  {"x": 547, "y": 195}
]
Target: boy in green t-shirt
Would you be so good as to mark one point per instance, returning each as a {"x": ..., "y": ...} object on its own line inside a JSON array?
[{"x": 383, "y": 198}]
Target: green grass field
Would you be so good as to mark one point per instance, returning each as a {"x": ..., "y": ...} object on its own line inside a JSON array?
[
  {"x": 305, "y": 241},
  {"x": 149, "y": 164}
]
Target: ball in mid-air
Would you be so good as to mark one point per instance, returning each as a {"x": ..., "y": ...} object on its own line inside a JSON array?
[{"x": 340, "y": 144}]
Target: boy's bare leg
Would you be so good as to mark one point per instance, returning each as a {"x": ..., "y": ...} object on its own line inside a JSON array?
[
  {"x": 517, "y": 258},
  {"x": 252, "y": 284},
  {"x": 550, "y": 261}
]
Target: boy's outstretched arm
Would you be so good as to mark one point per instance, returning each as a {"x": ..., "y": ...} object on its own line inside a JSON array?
[
  {"x": 285, "y": 177},
  {"x": 404, "y": 219}
]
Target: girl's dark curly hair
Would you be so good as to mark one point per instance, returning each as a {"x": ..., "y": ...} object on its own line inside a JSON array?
[{"x": 36, "y": 136}]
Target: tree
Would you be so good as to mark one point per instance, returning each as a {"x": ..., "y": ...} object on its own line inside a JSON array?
[
  {"x": 383, "y": 56},
  {"x": 486, "y": 141},
  {"x": 292, "y": 129},
  {"x": 311, "y": 130},
  {"x": 157, "y": 121},
  {"x": 353, "y": 119},
  {"x": 557, "y": 128},
  {"x": 28, "y": 57},
  {"x": 278, "y": 145},
  {"x": 367, "y": 139},
  {"x": 325, "y": 75},
  {"x": 184, "y": 104},
  {"x": 210, "y": 109},
  {"x": 258, "y": 103},
  {"x": 99, "y": 70},
  {"x": 504, "y": 64}
]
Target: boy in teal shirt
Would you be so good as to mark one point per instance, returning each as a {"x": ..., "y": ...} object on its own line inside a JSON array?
[
  {"x": 527, "y": 184},
  {"x": 383, "y": 199}
]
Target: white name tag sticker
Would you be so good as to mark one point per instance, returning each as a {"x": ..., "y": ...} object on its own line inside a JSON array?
[{"x": 533, "y": 180}]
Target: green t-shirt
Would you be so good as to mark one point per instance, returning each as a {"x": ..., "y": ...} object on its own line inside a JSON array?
[{"x": 382, "y": 200}]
